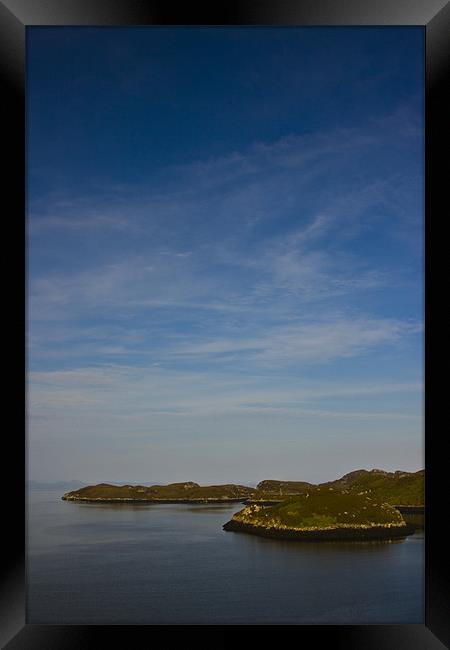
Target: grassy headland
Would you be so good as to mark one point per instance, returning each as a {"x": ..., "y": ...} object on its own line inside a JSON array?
[{"x": 396, "y": 488}]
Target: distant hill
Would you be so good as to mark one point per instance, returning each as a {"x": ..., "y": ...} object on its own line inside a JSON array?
[
  {"x": 396, "y": 488},
  {"x": 271, "y": 490},
  {"x": 57, "y": 485},
  {"x": 283, "y": 487}
]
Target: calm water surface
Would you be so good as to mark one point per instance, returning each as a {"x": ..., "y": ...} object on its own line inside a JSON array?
[{"x": 173, "y": 564}]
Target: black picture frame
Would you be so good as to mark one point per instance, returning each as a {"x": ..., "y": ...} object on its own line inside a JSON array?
[{"x": 434, "y": 17}]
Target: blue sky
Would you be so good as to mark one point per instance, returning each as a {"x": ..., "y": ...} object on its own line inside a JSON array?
[{"x": 225, "y": 252}]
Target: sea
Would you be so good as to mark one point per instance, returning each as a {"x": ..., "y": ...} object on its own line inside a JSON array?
[{"x": 173, "y": 564}]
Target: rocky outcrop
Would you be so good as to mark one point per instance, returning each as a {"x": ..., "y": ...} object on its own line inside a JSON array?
[{"x": 352, "y": 533}]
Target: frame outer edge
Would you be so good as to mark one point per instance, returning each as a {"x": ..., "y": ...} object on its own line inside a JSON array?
[
  {"x": 12, "y": 62},
  {"x": 234, "y": 12},
  {"x": 12, "y": 73},
  {"x": 437, "y": 111}
]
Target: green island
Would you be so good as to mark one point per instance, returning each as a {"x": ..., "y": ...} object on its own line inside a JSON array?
[
  {"x": 322, "y": 514},
  {"x": 187, "y": 492},
  {"x": 364, "y": 504}
]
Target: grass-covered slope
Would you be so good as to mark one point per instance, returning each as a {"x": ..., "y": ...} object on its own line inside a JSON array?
[
  {"x": 187, "y": 491},
  {"x": 396, "y": 488},
  {"x": 322, "y": 509},
  {"x": 322, "y": 514}
]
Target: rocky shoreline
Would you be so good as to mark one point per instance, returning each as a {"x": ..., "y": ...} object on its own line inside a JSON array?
[
  {"x": 147, "y": 501},
  {"x": 332, "y": 534}
]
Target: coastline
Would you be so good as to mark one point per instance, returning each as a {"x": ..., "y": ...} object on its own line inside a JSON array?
[
  {"x": 332, "y": 534},
  {"x": 147, "y": 501}
]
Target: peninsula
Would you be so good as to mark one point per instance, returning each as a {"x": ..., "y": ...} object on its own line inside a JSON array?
[{"x": 396, "y": 488}]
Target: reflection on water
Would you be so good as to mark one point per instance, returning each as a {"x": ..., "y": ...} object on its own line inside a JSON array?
[
  {"x": 173, "y": 563},
  {"x": 326, "y": 546},
  {"x": 170, "y": 507}
]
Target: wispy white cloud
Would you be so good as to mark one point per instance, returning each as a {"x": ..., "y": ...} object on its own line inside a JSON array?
[
  {"x": 196, "y": 234},
  {"x": 257, "y": 183},
  {"x": 79, "y": 222},
  {"x": 310, "y": 341},
  {"x": 140, "y": 393},
  {"x": 223, "y": 294}
]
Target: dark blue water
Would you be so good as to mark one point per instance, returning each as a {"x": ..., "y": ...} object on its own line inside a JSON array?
[{"x": 173, "y": 564}]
